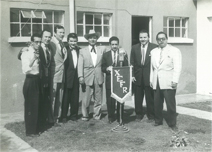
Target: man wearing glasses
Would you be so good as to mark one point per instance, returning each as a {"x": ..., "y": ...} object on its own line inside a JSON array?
[{"x": 166, "y": 64}]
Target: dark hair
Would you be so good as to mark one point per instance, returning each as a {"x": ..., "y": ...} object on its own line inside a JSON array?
[
  {"x": 35, "y": 35},
  {"x": 45, "y": 31},
  {"x": 58, "y": 27},
  {"x": 161, "y": 33},
  {"x": 113, "y": 38},
  {"x": 144, "y": 31},
  {"x": 72, "y": 35}
]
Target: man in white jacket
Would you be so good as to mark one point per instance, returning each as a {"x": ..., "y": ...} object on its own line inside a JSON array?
[{"x": 166, "y": 64}]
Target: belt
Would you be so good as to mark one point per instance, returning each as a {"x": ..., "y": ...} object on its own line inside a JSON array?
[{"x": 32, "y": 76}]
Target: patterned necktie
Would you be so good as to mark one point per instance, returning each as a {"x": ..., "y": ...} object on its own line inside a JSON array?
[
  {"x": 161, "y": 55},
  {"x": 93, "y": 49},
  {"x": 47, "y": 56},
  {"x": 114, "y": 58},
  {"x": 143, "y": 54},
  {"x": 62, "y": 46}
]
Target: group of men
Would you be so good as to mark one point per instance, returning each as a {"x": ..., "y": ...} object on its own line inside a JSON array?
[{"x": 55, "y": 73}]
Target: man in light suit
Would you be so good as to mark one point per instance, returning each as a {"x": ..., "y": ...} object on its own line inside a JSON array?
[
  {"x": 166, "y": 64},
  {"x": 71, "y": 90},
  {"x": 59, "y": 54},
  {"x": 90, "y": 75},
  {"x": 140, "y": 60},
  {"x": 111, "y": 59}
]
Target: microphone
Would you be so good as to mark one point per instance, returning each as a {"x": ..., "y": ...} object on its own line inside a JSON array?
[{"x": 121, "y": 54}]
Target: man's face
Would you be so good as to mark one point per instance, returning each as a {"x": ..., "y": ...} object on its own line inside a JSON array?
[
  {"x": 46, "y": 37},
  {"x": 114, "y": 45},
  {"x": 92, "y": 40},
  {"x": 162, "y": 40},
  {"x": 60, "y": 33},
  {"x": 72, "y": 42},
  {"x": 36, "y": 43},
  {"x": 143, "y": 38}
]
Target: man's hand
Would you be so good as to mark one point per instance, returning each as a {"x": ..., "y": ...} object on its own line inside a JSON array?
[
  {"x": 109, "y": 69},
  {"x": 151, "y": 85},
  {"x": 81, "y": 80},
  {"x": 133, "y": 79},
  {"x": 174, "y": 85}
]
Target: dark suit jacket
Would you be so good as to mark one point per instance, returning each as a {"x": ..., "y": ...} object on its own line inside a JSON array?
[
  {"x": 141, "y": 72},
  {"x": 71, "y": 75},
  {"x": 108, "y": 61}
]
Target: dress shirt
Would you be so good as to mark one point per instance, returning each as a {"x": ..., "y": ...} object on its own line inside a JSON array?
[
  {"x": 74, "y": 56},
  {"x": 26, "y": 58},
  {"x": 116, "y": 56},
  {"x": 45, "y": 49},
  {"x": 93, "y": 55},
  {"x": 144, "y": 54}
]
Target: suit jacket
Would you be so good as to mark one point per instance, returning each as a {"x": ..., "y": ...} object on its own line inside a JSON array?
[
  {"x": 168, "y": 69},
  {"x": 71, "y": 75},
  {"x": 57, "y": 63},
  {"x": 87, "y": 70},
  {"x": 108, "y": 61},
  {"x": 141, "y": 72}
]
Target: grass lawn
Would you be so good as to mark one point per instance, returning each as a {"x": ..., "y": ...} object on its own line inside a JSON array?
[
  {"x": 96, "y": 135},
  {"x": 205, "y": 106}
]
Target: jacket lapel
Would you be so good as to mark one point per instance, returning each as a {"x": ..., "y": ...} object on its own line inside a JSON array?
[
  {"x": 147, "y": 58},
  {"x": 99, "y": 53},
  {"x": 138, "y": 53},
  {"x": 88, "y": 55}
]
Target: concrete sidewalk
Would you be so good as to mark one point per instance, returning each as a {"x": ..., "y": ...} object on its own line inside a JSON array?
[{"x": 11, "y": 142}]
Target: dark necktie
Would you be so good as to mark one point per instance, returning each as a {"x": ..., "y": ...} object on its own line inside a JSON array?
[
  {"x": 93, "y": 49},
  {"x": 47, "y": 56},
  {"x": 62, "y": 46}
]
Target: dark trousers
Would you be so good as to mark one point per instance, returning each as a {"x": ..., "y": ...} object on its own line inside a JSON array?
[
  {"x": 31, "y": 92},
  {"x": 111, "y": 106},
  {"x": 139, "y": 96},
  {"x": 169, "y": 96},
  {"x": 71, "y": 98}
]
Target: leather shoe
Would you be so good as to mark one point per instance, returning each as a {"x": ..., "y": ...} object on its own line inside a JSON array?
[
  {"x": 158, "y": 124},
  {"x": 174, "y": 128}
]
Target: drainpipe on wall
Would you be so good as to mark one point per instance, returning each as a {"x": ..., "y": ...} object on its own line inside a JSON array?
[{"x": 72, "y": 16}]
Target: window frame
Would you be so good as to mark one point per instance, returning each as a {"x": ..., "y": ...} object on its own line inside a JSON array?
[
  {"x": 102, "y": 37},
  {"x": 19, "y": 37}
]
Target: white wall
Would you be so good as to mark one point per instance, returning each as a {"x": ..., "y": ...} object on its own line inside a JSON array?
[{"x": 204, "y": 47}]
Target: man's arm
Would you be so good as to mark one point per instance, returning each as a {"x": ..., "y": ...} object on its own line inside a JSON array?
[
  {"x": 80, "y": 68},
  {"x": 177, "y": 60},
  {"x": 21, "y": 51},
  {"x": 132, "y": 63}
]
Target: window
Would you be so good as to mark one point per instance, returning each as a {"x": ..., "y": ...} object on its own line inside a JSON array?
[
  {"x": 25, "y": 22},
  {"x": 100, "y": 22},
  {"x": 176, "y": 27}
]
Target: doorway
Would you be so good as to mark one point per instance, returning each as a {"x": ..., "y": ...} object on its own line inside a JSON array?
[{"x": 140, "y": 23}]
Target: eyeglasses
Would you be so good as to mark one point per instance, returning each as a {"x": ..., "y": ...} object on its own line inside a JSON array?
[{"x": 161, "y": 39}]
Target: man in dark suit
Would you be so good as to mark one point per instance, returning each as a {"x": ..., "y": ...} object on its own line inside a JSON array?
[
  {"x": 45, "y": 108},
  {"x": 140, "y": 60},
  {"x": 71, "y": 90},
  {"x": 111, "y": 59}
]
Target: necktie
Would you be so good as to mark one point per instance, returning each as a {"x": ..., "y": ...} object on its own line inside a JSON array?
[
  {"x": 93, "y": 49},
  {"x": 143, "y": 54},
  {"x": 62, "y": 46},
  {"x": 114, "y": 58},
  {"x": 47, "y": 56},
  {"x": 161, "y": 55}
]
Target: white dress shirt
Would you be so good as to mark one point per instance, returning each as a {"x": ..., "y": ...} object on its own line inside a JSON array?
[
  {"x": 93, "y": 55},
  {"x": 145, "y": 49},
  {"x": 45, "y": 49},
  {"x": 26, "y": 58},
  {"x": 74, "y": 56},
  {"x": 116, "y": 54}
]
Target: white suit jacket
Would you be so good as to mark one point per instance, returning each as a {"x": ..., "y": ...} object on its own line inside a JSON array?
[{"x": 168, "y": 69}]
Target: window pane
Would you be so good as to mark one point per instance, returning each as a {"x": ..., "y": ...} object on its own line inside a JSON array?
[
  {"x": 177, "y": 22},
  {"x": 88, "y": 19},
  {"x": 177, "y": 32},
  {"x": 79, "y": 30},
  {"x": 58, "y": 17},
  {"x": 97, "y": 19},
  {"x": 184, "y": 32},
  {"x": 106, "y": 31},
  {"x": 80, "y": 17},
  {"x": 87, "y": 28},
  {"x": 183, "y": 22},
  {"x": 26, "y": 14},
  {"x": 48, "y": 17},
  {"x": 165, "y": 21},
  {"x": 107, "y": 19},
  {"x": 171, "y": 32},
  {"x": 98, "y": 29},
  {"x": 165, "y": 30},
  {"x": 26, "y": 30},
  {"x": 171, "y": 22},
  {"x": 36, "y": 20},
  {"x": 48, "y": 27},
  {"x": 36, "y": 28},
  {"x": 25, "y": 20},
  {"x": 14, "y": 30},
  {"x": 14, "y": 15}
]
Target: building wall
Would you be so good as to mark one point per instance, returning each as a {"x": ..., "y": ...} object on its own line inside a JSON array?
[
  {"x": 12, "y": 78},
  {"x": 204, "y": 47}
]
